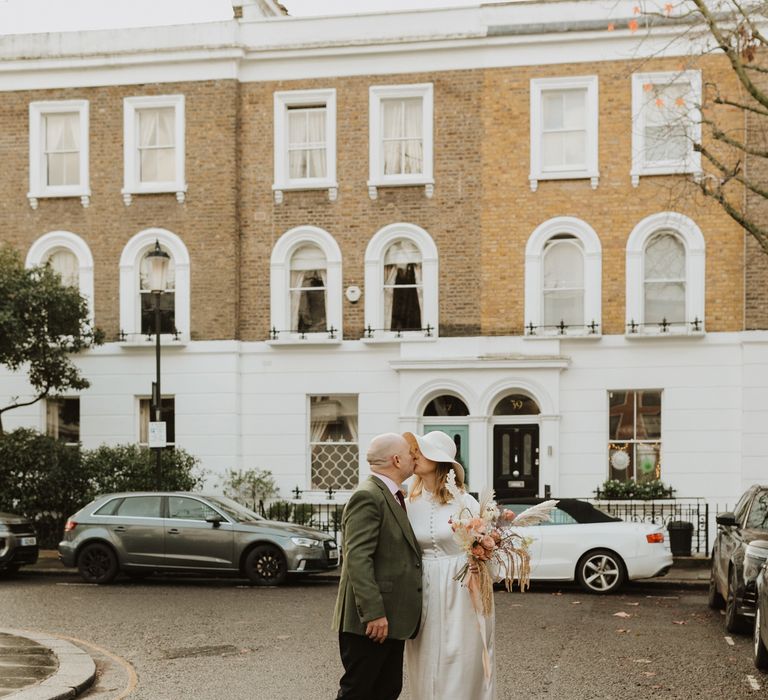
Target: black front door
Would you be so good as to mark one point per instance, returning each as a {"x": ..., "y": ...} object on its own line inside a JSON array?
[{"x": 516, "y": 460}]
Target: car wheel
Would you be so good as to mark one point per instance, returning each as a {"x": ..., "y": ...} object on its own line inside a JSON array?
[
  {"x": 760, "y": 653},
  {"x": 265, "y": 565},
  {"x": 714, "y": 599},
  {"x": 600, "y": 571},
  {"x": 733, "y": 621},
  {"x": 97, "y": 563}
]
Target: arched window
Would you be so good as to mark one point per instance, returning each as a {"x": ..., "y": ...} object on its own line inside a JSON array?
[
  {"x": 665, "y": 276},
  {"x": 308, "y": 290},
  {"x": 137, "y": 305},
  {"x": 563, "y": 267},
  {"x": 664, "y": 279},
  {"x": 401, "y": 284},
  {"x": 446, "y": 405},
  {"x": 305, "y": 287},
  {"x": 403, "y": 289},
  {"x": 563, "y": 286},
  {"x": 69, "y": 255}
]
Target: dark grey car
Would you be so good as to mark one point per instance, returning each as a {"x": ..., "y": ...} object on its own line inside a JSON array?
[
  {"x": 18, "y": 542},
  {"x": 140, "y": 533}
]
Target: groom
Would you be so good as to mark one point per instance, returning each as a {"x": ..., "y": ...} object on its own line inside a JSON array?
[{"x": 379, "y": 601}]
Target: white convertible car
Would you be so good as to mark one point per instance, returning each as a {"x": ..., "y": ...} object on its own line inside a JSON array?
[{"x": 582, "y": 543}]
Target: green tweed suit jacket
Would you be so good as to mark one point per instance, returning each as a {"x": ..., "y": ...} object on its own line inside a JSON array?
[{"x": 381, "y": 573}]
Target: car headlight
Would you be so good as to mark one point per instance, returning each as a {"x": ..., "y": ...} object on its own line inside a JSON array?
[{"x": 306, "y": 542}]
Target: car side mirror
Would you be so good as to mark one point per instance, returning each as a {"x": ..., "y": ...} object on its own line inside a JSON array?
[
  {"x": 214, "y": 519},
  {"x": 727, "y": 519}
]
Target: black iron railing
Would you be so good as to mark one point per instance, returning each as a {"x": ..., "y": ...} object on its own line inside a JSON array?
[
  {"x": 662, "y": 512},
  {"x": 319, "y": 516}
]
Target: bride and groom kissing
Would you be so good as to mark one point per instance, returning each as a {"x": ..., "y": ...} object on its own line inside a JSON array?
[{"x": 398, "y": 595}]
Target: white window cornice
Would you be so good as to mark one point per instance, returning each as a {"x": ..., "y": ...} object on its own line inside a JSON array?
[
  {"x": 38, "y": 185},
  {"x": 284, "y": 100},
  {"x": 534, "y": 277},
  {"x": 590, "y": 170},
  {"x": 374, "y": 283},
  {"x": 279, "y": 284},
  {"x": 130, "y": 264},
  {"x": 695, "y": 270},
  {"x": 132, "y": 184},
  {"x": 42, "y": 248},
  {"x": 376, "y": 176},
  {"x": 692, "y": 162}
]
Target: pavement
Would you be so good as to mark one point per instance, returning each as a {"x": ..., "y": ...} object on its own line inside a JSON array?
[{"x": 35, "y": 666}]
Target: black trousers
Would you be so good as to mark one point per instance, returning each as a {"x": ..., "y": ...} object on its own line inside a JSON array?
[{"x": 372, "y": 671}]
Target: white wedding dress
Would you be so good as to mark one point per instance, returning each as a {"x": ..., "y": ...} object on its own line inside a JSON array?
[{"x": 445, "y": 661}]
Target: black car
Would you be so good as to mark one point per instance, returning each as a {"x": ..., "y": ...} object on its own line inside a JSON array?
[
  {"x": 760, "y": 647},
  {"x": 18, "y": 542},
  {"x": 728, "y": 585}
]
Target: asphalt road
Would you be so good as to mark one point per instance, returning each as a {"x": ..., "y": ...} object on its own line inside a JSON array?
[{"x": 220, "y": 640}]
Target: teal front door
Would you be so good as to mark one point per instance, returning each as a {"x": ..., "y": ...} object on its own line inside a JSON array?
[{"x": 460, "y": 436}]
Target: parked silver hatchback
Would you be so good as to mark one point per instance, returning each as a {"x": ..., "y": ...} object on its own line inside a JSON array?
[{"x": 141, "y": 533}]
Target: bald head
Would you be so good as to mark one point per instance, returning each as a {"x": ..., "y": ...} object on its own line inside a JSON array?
[{"x": 390, "y": 454}]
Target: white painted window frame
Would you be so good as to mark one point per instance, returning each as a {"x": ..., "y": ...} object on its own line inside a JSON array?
[
  {"x": 692, "y": 164},
  {"x": 132, "y": 184},
  {"x": 38, "y": 188},
  {"x": 374, "y": 282},
  {"x": 283, "y": 182},
  {"x": 590, "y": 172},
  {"x": 130, "y": 305},
  {"x": 695, "y": 273},
  {"x": 534, "y": 276},
  {"x": 280, "y": 282},
  {"x": 376, "y": 177},
  {"x": 49, "y": 242}
]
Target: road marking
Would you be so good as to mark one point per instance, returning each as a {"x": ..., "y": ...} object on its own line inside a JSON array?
[
  {"x": 729, "y": 640},
  {"x": 753, "y": 683}
]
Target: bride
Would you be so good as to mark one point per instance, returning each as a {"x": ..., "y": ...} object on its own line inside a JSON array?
[{"x": 445, "y": 659}]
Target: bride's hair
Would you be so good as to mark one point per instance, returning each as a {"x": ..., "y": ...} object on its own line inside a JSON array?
[{"x": 442, "y": 495}]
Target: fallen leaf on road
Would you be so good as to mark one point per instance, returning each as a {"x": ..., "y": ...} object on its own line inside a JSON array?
[
  {"x": 633, "y": 604},
  {"x": 643, "y": 661},
  {"x": 650, "y": 674},
  {"x": 283, "y": 636},
  {"x": 621, "y": 614},
  {"x": 622, "y": 631},
  {"x": 575, "y": 602},
  {"x": 679, "y": 622}
]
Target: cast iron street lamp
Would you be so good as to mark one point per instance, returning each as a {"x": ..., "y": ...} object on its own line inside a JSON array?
[{"x": 158, "y": 274}]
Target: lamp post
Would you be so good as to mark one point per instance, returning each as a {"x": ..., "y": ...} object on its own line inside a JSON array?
[{"x": 158, "y": 277}]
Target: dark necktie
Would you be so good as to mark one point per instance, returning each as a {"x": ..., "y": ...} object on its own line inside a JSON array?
[{"x": 400, "y": 499}]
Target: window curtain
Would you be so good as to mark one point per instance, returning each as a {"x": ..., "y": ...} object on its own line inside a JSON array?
[
  {"x": 402, "y": 131},
  {"x": 665, "y": 279},
  {"x": 318, "y": 426},
  {"x": 308, "y": 300},
  {"x": 390, "y": 275},
  {"x": 62, "y": 146},
  {"x": 65, "y": 263},
  {"x": 52, "y": 418},
  {"x": 156, "y": 144},
  {"x": 667, "y": 123},
  {"x": 403, "y": 289},
  {"x": 563, "y": 283},
  {"x": 306, "y": 143},
  {"x": 352, "y": 426}
]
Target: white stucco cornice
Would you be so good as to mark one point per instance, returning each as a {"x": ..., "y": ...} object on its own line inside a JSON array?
[
  {"x": 287, "y": 48},
  {"x": 491, "y": 361}
]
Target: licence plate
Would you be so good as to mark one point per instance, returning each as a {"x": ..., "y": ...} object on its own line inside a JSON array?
[
  {"x": 28, "y": 541},
  {"x": 333, "y": 553}
]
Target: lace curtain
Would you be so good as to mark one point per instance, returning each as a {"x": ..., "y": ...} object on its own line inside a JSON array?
[
  {"x": 157, "y": 162},
  {"x": 402, "y": 136},
  {"x": 62, "y": 149},
  {"x": 563, "y": 283},
  {"x": 665, "y": 279},
  {"x": 306, "y": 143}
]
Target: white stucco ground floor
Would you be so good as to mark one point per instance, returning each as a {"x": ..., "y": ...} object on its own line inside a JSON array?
[{"x": 530, "y": 416}]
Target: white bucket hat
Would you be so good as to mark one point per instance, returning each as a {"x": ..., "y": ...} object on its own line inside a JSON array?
[{"x": 439, "y": 447}]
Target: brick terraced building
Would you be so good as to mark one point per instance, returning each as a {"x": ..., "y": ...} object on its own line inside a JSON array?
[{"x": 470, "y": 219}]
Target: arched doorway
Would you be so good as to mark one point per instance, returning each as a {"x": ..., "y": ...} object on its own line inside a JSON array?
[
  {"x": 516, "y": 446},
  {"x": 448, "y": 414}
]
